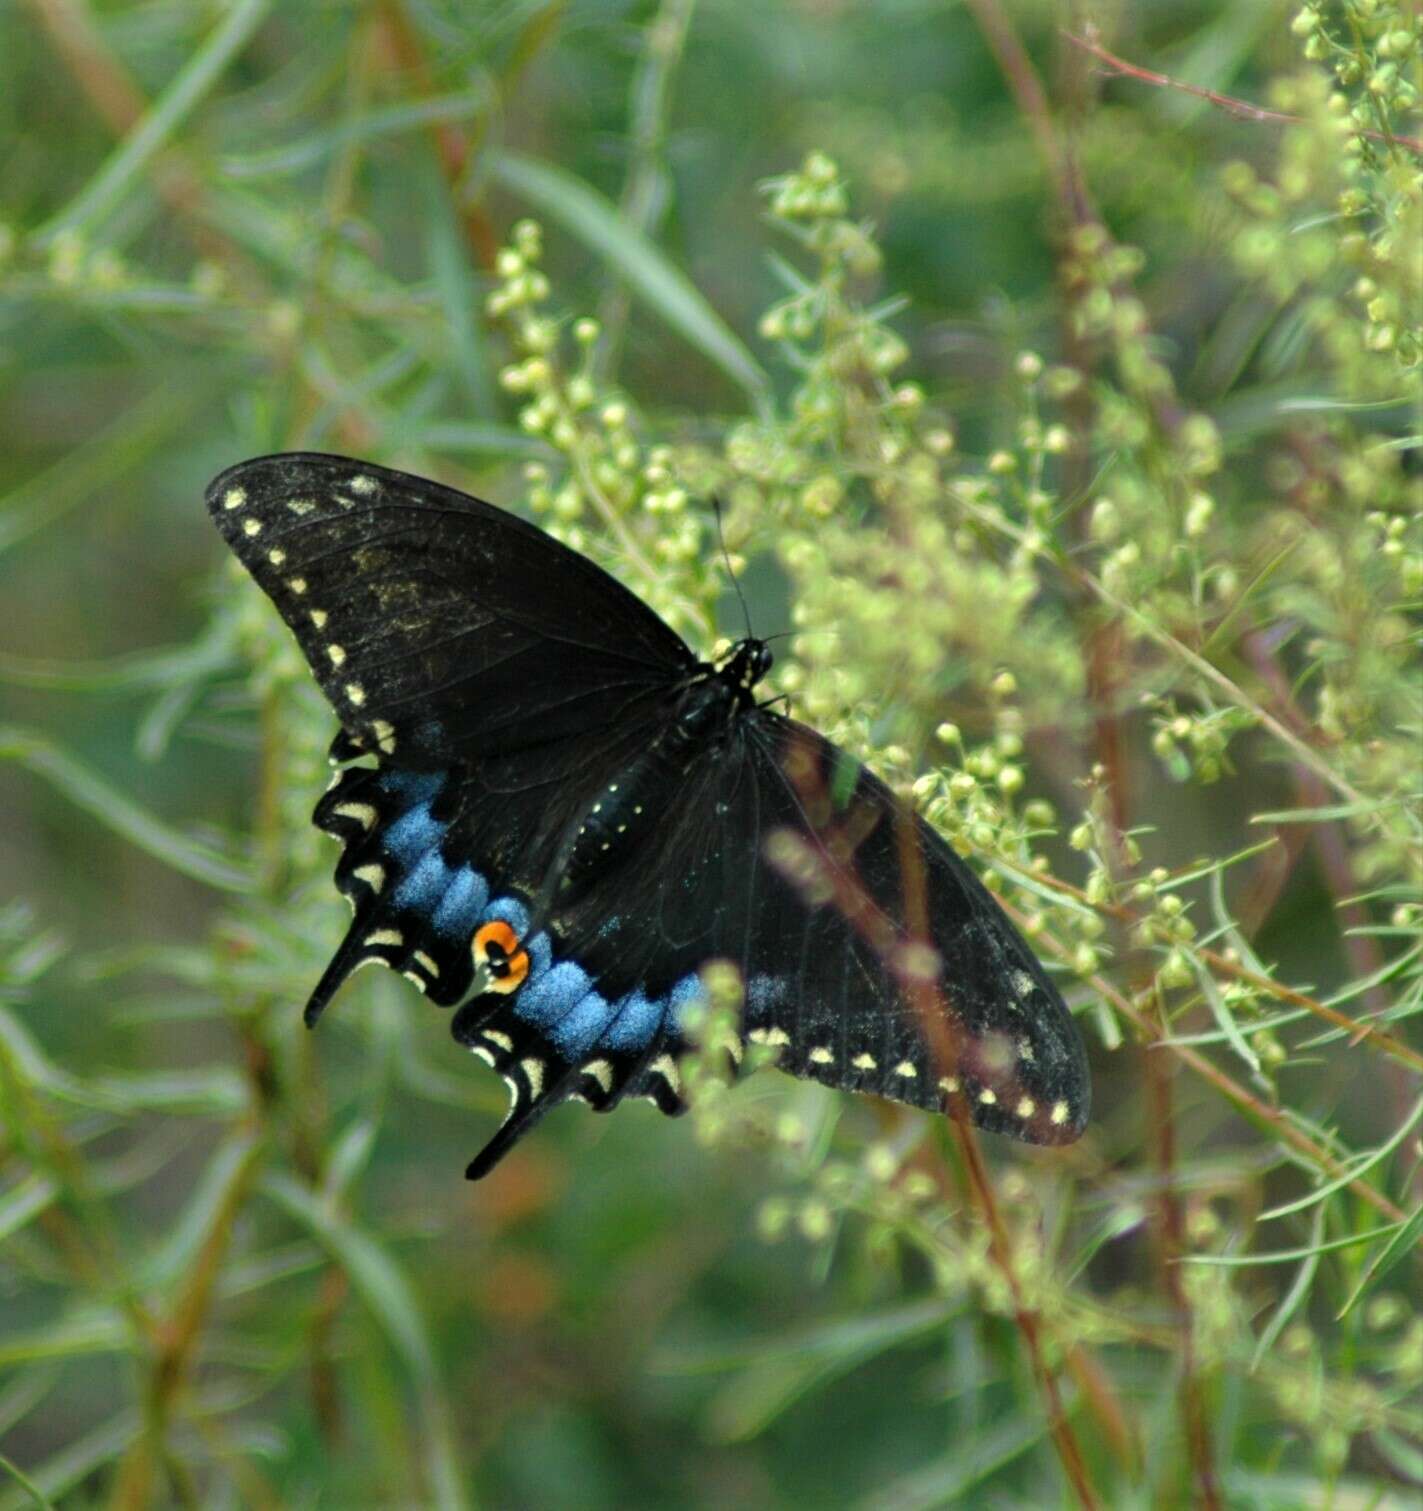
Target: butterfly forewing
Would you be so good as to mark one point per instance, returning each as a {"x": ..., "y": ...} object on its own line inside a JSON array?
[{"x": 440, "y": 627}]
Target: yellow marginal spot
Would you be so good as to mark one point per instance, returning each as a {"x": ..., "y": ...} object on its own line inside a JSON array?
[
  {"x": 534, "y": 1075},
  {"x": 863, "y": 1062},
  {"x": 364, "y": 485},
  {"x": 276, "y": 556},
  {"x": 821, "y": 1055},
  {"x": 498, "y": 1040},
  {"x": 602, "y": 1072},
  {"x": 337, "y": 654},
  {"x": 300, "y": 506},
  {"x": 362, "y": 813},
  {"x": 987, "y": 1097},
  {"x": 414, "y": 979},
  {"x": 234, "y": 498},
  {"x": 666, "y": 1067},
  {"x": 297, "y": 585},
  {"x": 372, "y": 875},
  {"x": 422, "y": 959},
  {"x": 487, "y": 1055},
  {"x": 385, "y": 735},
  {"x": 948, "y": 1085},
  {"x": 777, "y": 1037},
  {"x": 1026, "y": 1107},
  {"x": 1059, "y": 1113},
  {"x": 356, "y": 693},
  {"x": 905, "y": 1069},
  {"x": 386, "y": 936},
  {"x": 251, "y": 527},
  {"x": 318, "y": 617}
]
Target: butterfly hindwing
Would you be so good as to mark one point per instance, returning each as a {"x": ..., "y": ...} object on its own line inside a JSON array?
[{"x": 431, "y": 865}]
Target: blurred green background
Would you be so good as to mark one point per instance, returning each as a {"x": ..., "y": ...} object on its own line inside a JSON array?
[{"x": 239, "y": 1263}]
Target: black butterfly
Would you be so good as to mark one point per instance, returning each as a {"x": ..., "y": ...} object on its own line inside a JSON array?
[{"x": 563, "y": 816}]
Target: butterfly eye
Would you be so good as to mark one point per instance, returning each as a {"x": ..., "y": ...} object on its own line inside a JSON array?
[{"x": 496, "y": 948}]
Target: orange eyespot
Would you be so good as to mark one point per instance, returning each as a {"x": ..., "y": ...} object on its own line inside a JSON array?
[{"x": 496, "y": 947}]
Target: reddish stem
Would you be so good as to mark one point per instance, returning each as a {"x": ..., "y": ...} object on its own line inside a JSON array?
[{"x": 1242, "y": 109}]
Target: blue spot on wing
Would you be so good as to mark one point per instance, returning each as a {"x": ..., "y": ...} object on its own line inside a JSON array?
[
  {"x": 462, "y": 904},
  {"x": 577, "y": 1032},
  {"x": 508, "y": 910},
  {"x": 426, "y": 885},
  {"x": 636, "y": 1022},
  {"x": 555, "y": 994},
  {"x": 413, "y": 835},
  {"x": 540, "y": 952},
  {"x": 687, "y": 991},
  {"x": 412, "y": 787}
]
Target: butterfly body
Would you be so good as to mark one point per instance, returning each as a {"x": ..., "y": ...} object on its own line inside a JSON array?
[{"x": 553, "y": 816}]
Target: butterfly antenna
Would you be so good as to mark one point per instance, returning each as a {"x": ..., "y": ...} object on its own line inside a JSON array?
[{"x": 726, "y": 557}]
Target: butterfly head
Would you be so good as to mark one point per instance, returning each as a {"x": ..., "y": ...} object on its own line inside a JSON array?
[{"x": 748, "y": 663}]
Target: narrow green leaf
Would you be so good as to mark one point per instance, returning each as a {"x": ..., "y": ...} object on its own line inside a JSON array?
[
  {"x": 476, "y": 436},
  {"x": 88, "y": 469},
  {"x": 191, "y": 83},
  {"x": 388, "y": 1295},
  {"x": 211, "y": 1196},
  {"x": 1224, "y": 1018},
  {"x": 26, "y": 1483},
  {"x": 453, "y": 278},
  {"x": 1366, "y": 1161},
  {"x": 1295, "y": 1297},
  {"x": 73, "y": 1464},
  {"x": 86, "y": 1330},
  {"x": 32, "y": 1067},
  {"x": 594, "y": 220},
  {"x": 1403, "y": 1457},
  {"x": 142, "y": 671},
  {"x": 1387, "y": 1259},
  {"x": 206, "y": 1091},
  {"x": 1287, "y": 1256},
  {"x": 772, "y": 1375},
  {"x": 390, "y": 120},
  {"x": 89, "y": 791},
  {"x": 963, "y": 1468},
  {"x": 380, "y": 1281},
  {"x": 25, "y": 1201},
  {"x": 1326, "y": 813}
]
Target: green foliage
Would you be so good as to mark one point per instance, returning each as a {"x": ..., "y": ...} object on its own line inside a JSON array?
[{"x": 1105, "y": 545}]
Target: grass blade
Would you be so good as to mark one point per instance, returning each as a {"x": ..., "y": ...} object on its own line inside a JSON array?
[
  {"x": 198, "y": 75},
  {"x": 89, "y": 791},
  {"x": 584, "y": 213}
]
